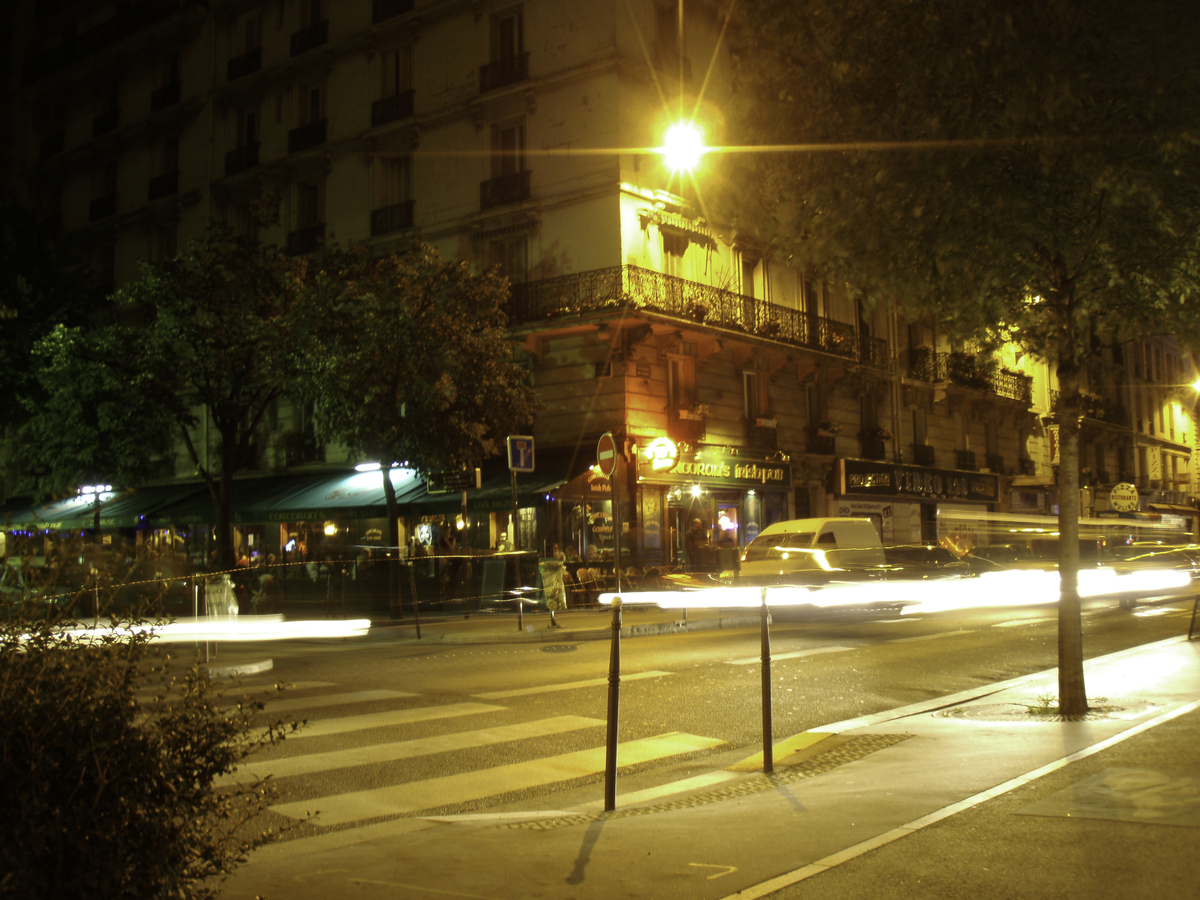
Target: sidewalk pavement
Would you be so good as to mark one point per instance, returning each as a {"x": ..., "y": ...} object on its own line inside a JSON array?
[{"x": 966, "y": 796}]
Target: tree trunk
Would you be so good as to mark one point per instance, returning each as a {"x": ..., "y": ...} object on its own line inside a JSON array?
[
  {"x": 1072, "y": 694},
  {"x": 389, "y": 496},
  {"x": 224, "y": 498}
]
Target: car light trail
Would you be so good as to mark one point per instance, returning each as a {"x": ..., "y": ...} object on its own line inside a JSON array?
[{"x": 224, "y": 629}]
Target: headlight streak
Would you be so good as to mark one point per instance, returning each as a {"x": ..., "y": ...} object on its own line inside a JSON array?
[
  {"x": 225, "y": 629},
  {"x": 1024, "y": 587}
]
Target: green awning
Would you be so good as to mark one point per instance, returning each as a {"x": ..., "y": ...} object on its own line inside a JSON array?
[{"x": 130, "y": 508}]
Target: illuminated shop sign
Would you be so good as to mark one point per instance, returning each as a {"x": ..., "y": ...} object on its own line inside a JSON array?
[
  {"x": 860, "y": 476},
  {"x": 661, "y": 462}
]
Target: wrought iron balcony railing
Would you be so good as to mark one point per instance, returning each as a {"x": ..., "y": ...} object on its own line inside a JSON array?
[
  {"x": 382, "y": 10},
  {"x": 102, "y": 207},
  {"x": 821, "y": 444},
  {"x": 311, "y": 37},
  {"x": 241, "y": 66},
  {"x": 965, "y": 459},
  {"x": 761, "y": 438},
  {"x": 963, "y": 370},
  {"x": 632, "y": 286},
  {"x": 164, "y": 185},
  {"x": 873, "y": 448},
  {"x": 503, "y": 72},
  {"x": 396, "y": 217},
  {"x": 240, "y": 159},
  {"x": 1026, "y": 467},
  {"x": 505, "y": 189},
  {"x": 162, "y": 97},
  {"x": 105, "y": 122},
  {"x": 305, "y": 137},
  {"x": 392, "y": 109},
  {"x": 924, "y": 455},
  {"x": 995, "y": 462}
]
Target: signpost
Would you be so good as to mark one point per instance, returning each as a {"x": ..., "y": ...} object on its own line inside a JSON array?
[
  {"x": 606, "y": 461},
  {"x": 520, "y": 459}
]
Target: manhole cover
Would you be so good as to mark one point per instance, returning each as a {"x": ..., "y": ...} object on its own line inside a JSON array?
[
  {"x": 559, "y": 648},
  {"x": 1019, "y": 712}
]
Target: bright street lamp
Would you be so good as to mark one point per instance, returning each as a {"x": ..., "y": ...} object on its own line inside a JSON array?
[{"x": 683, "y": 145}]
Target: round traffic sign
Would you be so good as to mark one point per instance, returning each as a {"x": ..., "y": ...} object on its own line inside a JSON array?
[{"x": 606, "y": 454}]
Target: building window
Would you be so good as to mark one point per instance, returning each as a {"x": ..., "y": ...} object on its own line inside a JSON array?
[
  {"x": 395, "y": 95},
  {"x": 394, "y": 180},
  {"x": 674, "y": 250},
  {"x": 508, "y": 35},
  {"x": 508, "y": 148},
  {"x": 511, "y": 256},
  {"x": 163, "y": 242},
  {"x": 681, "y": 383},
  {"x": 307, "y": 204},
  {"x": 751, "y": 401}
]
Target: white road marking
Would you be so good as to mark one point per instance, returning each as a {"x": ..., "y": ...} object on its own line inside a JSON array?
[
  {"x": 929, "y": 637},
  {"x": 334, "y": 700},
  {"x": 449, "y": 790},
  {"x": 565, "y": 686},
  {"x": 377, "y": 753},
  {"x": 343, "y": 724},
  {"x": 1014, "y": 622},
  {"x": 695, "y": 783},
  {"x": 794, "y": 654}
]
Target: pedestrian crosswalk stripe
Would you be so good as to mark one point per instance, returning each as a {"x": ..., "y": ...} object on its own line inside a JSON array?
[
  {"x": 334, "y": 700},
  {"x": 794, "y": 654},
  {"x": 377, "y": 753},
  {"x": 451, "y": 790},
  {"x": 565, "y": 686},
  {"x": 343, "y": 724},
  {"x": 695, "y": 783}
]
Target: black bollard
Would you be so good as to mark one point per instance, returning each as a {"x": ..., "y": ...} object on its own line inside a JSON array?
[
  {"x": 614, "y": 704},
  {"x": 412, "y": 580},
  {"x": 768, "y": 739}
]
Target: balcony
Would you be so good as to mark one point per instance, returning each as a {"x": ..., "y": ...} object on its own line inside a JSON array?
[
  {"x": 995, "y": 462},
  {"x": 305, "y": 240},
  {"x": 396, "y": 217},
  {"x": 872, "y": 448},
  {"x": 634, "y": 287},
  {"x": 924, "y": 455},
  {"x": 50, "y": 146},
  {"x": 690, "y": 430},
  {"x": 106, "y": 122},
  {"x": 167, "y": 95},
  {"x": 965, "y": 459},
  {"x": 1026, "y": 467},
  {"x": 382, "y": 10},
  {"x": 822, "y": 444},
  {"x": 241, "y": 158},
  {"x": 761, "y": 438},
  {"x": 241, "y": 66},
  {"x": 102, "y": 208},
  {"x": 1097, "y": 408},
  {"x": 302, "y": 449},
  {"x": 164, "y": 185},
  {"x": 504, "y": 190},
  {"x": 310, "y": 38},
  {"x": 392, "y": 109},
  {"x": 307, "y": 136},
  {"x": 963, "y": 369},
  {"x": 502, "y": 72}
]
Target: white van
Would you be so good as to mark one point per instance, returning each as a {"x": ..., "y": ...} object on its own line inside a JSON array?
[{"x": 812, "y": 546}]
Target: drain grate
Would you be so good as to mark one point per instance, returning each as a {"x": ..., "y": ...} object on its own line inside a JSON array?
[{"x": 855, "y": 748}]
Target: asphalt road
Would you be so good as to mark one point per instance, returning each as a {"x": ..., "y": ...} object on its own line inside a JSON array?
[{"x": 404, "y": 729}]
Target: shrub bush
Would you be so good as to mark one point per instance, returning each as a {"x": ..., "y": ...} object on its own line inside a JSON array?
[{"x": 109, "y": 751}]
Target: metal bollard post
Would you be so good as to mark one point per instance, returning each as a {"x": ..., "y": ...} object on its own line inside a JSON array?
[
  {"x": 614, "y": 704},
  {"x": 768, "y": 738},
  {"x": 412, "y": 580},
  {"x": 520, "y": 614}
]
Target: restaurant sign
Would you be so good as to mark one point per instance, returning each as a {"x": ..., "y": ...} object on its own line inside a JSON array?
[
  {"x": 861, "y": 476},
  {"x": 661, "y": 464}
]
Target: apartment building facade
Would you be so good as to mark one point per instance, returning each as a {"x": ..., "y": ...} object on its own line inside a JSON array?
[{"x": 520, "y": 135}]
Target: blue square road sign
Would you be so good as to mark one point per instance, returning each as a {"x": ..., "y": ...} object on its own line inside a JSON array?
[{"x": 520, "y": 452}]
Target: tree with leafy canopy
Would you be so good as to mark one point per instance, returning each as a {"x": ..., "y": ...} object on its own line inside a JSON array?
[
  {"x": 214, "y": 332},
  {"x": 414, "y": 368},
  {"x": 1024, "y": 170}
]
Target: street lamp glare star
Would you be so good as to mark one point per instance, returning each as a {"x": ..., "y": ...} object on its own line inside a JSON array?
[{"x": 683, "y": 146}]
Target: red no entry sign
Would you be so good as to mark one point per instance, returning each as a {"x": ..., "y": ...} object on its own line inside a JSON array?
[{"x": 606, "y": 454}]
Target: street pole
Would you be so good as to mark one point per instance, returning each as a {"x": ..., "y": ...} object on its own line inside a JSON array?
[
  {"x": 614, "y": 705},
  {"x": 768, "y": 738},
  {"x": 412, "y": 580}
]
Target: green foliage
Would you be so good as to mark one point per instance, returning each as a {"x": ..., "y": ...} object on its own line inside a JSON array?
[
  {"x": 109, "y": 753},
  {"x": 1024, "y": 169},
  {"x": 413, "y": 365}
]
